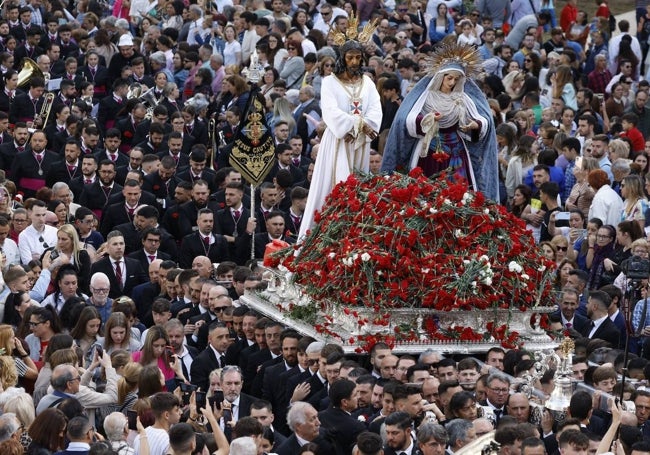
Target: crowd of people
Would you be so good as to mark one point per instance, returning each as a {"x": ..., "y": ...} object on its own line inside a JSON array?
[{"x": 126, "y": 236}]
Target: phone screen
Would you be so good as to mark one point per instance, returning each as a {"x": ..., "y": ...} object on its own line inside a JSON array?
[{"x": 132, "y": 416}]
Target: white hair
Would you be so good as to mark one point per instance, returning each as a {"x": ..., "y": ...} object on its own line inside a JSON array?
[
  {"x": 97, "y": 276},
  {"x": 243, "y": 446},
  {"x": 114, "y": 425}
]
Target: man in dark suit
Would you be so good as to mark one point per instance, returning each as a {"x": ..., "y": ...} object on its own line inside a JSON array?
[
  {"x": 498, "y": 386},
  {"x": 29, "y": 167},
  {"x": 197, "y": 171},
  {"x": 203, "y": 242},
  {"x": 149, "y": 251},
  {"x": 568, "y": 310},
  {"x": 601, "y": 326},
  {"x": 284, "y": 161},
  {"x": 79, "y": 432},
  {"x": 185, "y": 353},
  {"x": 309, "y": 105},
  {"x": 128, "y": 126},
  {"x": 95, "y": 196},
  {"x": 111, "y": 106},
  {"x": 337, "y": 420},
  {"x": 195, "y": 127},
  {"x": 214, "y": 356},
  {"x": 273, "y": 350},
  {"x": 303, "y": 421},
  {"x": 162, "y": 183},
  {"x": 247, "y": 341},
  {"x": 111, "y": 150},
  {"x": 30, "y": 49},
  {"x": 269, "y": 373},
  {"x": 231, "y": 221},
  {"x": 275, "y": 230},
  {"x": 262, "y": 411},
  {"x": 27, "y": 105},
  {"x": 9, "y": 150},
  {"x": 123, "y": 273},
  {"x": 67, "y": 169},
  {"x": 122, "y": 212},
  {"x": 174, "y": 150},
  {"x": 160, "y": 116}
]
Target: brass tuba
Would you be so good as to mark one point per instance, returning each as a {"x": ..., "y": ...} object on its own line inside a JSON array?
[{"x": 30, "y": 69}]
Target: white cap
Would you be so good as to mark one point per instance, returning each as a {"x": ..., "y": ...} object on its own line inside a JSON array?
[{"x": 125, "y": 40}]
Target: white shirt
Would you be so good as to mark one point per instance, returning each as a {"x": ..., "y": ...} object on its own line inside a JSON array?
[
  {"x": 10, "y": 251},
  {"x": 29, "y": 243},
  {"x": 607, "y": 206},
  {"x": 597, "y": 324},
  {"x": 158, "y": 441}
]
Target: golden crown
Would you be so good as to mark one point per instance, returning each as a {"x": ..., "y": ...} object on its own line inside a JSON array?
[{"x": 352, "y": 32}]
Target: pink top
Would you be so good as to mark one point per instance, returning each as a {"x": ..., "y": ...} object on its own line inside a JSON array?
[{"x": 168, "y": 372}]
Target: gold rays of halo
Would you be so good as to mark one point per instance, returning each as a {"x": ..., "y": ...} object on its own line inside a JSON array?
[
  {"x": 352, "y": 32},
  {"x": 449, "y": 52}
]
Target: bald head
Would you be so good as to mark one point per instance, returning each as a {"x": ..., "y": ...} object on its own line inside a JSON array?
[{"x": 202, "y": 265}]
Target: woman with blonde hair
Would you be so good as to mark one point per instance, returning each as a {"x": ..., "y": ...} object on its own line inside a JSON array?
[
  {"x": 635, "y": 203},
  {"x": 561, "y": 244},
  {"x": 282, "y": 111},
  {"x": 24, "y": 365},
  {"x": 8, "y": 375},
  {"x": 127, "y": 386},
  {"x": 68, "y": 243},
  {"x": 562, "y": 86}
]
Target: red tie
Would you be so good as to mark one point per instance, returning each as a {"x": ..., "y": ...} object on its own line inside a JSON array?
[
  {"x": 118, "y": 273},
  {"x": 206, "y": 241},
  {"x": 88, "y": 181},
  {"x": 152, "y": 258},
  {"x": 71, "y": 168},
  {"x": 39, "y": 158},
  {"x": 113, "y": 156},
  {"x": 236, "y": 214},
  {"x": 20, "y": 149}
]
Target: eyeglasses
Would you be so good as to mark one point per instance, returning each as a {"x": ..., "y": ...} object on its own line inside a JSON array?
[
  {"x": 527, "y": 60},
  {"x": 78, "y": 378},
  {"x": 561, "y": 248},
  {"x": 500, "y": 391},
  {"x": 603, "y": 237},
  {"x": 312, "y": 361},
  {"x": 326, "y": 14},
  {"x": 20, "y": 220},
  {"x": 328, "y": 65},
  {"x": 42, "y": 240},
  {"x": 291, "y": 48},
  {"x": 100, "y": 290},
  {"x": 35, "y": 324},
  {"x": 220, "y": 309},
  {"x": 475, "y": 14}
]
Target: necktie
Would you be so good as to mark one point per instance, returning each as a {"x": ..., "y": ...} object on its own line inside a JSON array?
[
  {"x": 222, "y": 363},
  {"x": 497, "y": 414},
  {"x": 106, "y": 189},
  {"x": 92, "y": 71},
  {"x": 296, "y": 161},
  {"x": 236, "y": 214},
  {"x": 118, "y": 273},
  {"x": 131, "y": 211},
  {"x": 87, "y": 151},
  {"x": 206, "y": 241},
  {"x": 113, "y": 156},
  {"x": 39, "y": 158},
  {"x": 569, "y": 325},
  {"x": 151, "y": 258},
  {"x": 296, "y": 220},
  {"x": 71, "y": 168},
  {"x": 20, "y": 149},
  {"x": 88, "y": 181}
]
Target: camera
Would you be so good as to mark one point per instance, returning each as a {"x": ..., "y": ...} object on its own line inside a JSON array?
[
  {"x": 53, "y": 255},
  {"x": 636, "y": 268}
]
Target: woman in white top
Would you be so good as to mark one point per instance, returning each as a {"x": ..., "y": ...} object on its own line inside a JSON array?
[
  {"x": 232, "y": 49},
  {"x": 523, "y": 159}
]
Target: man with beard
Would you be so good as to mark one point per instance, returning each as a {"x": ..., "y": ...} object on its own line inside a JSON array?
[
  {"x": 601, "y": 326},
  {"x": 95, "y": 196},
  {"x": 185, "y": 353},
  {"x": 29, "y": 167},
  {"x": 186, "y": 222},
  {"x": 399, "y": 436},
  {"x": 274, "y": 390},
  {"x": 8, "y": 150},
  {"x": 351, "y": 109}
]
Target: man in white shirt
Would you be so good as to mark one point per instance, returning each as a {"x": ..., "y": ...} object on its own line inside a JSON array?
[
  {"x": 196, "y": 25},
  {"x": 166, "y": 410},
  {"x": 37, "y": 237}
]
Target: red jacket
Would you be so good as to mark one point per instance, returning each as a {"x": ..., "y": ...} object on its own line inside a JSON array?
[{"x": 634, "y": 135}]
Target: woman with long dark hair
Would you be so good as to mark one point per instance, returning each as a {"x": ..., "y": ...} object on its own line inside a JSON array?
[{"x": 15, "y": 307}]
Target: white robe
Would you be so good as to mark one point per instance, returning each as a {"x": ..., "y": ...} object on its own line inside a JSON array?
[{"x": 337, "y": 159}]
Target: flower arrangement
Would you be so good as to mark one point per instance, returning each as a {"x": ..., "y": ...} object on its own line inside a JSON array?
[{"x": 385, "y": 243}]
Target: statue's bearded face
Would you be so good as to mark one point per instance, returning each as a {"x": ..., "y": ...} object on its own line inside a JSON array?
[{"x": 353, "y": 60}]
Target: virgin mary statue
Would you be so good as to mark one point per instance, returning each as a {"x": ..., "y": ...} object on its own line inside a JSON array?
[{"x": 445, "y": 124}]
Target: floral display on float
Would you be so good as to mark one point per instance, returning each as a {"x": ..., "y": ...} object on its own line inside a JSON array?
[{"x": 383, "y": 244}]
